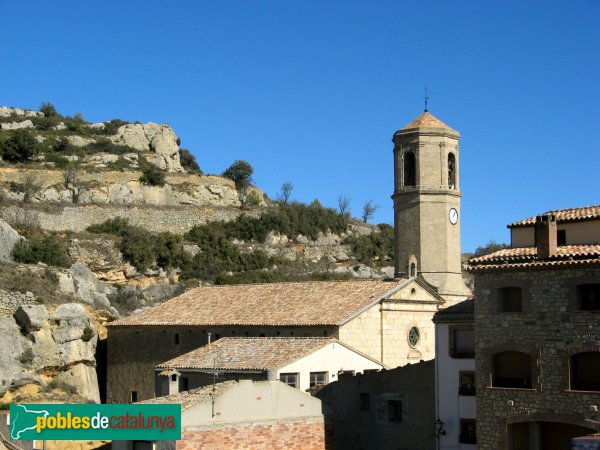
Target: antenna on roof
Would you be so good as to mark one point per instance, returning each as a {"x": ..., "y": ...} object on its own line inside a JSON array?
[
  {"x": 212, "y": 395},
  {"x": 426, "y": 99}
]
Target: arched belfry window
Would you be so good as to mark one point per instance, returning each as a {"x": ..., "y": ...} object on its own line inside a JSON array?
[
  {"x": 410, "y": 169},
  {"x": 451, "y": 171}
]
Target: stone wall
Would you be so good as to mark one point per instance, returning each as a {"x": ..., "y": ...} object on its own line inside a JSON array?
[
  {"x": 369, "y": 425},
  {"x": 550, "y": 329},
  {"x": 77, "y": 218},
  {"x": 302, "y": 434}
]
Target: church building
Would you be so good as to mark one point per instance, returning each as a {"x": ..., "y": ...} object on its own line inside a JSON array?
[{"x": 387, "y": 320}]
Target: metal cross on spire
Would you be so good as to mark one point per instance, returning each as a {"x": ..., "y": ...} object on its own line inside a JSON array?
[{"x": 426, "y": 99}]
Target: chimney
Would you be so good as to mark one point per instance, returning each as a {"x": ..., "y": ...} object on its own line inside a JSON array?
[{"x": 545, "y": 236}]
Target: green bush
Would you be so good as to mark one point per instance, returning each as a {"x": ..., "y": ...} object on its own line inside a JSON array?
[
  {"x": 48, "y": 109},
  {"x": 292, "y": 219},
  {"x": 152, "y": 175},
  {"x": 45, "y": 249},
  {"x": 115, "y": 226},
  {"x": 21, "y": 146},
  {"x": 143, "y": 249},
  {"x": 240, "y": 172},
  {"x": 373, "y": 247},
  {"x": 188, "y": 161},
  {"x": 113, "y": 126},
  {"x": 104, "y": 145},
  {"x": 491, "y": 247},
  {"x": 88, "y": 334},
  {"x": 26, "y": 357}
]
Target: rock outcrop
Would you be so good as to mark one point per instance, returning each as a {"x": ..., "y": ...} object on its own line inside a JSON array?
[
  {"x": 123, "y": 188},
  {"x": 152, "y": 137},
  {"x": 37, "y": 347},
  {"x": 16, "y": 125},
  {"x": 7, "y": 111},
  {"x": 8, "y": 238}
]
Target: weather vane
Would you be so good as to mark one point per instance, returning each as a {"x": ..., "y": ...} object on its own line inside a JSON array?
[{"x": 426, "y": 99}]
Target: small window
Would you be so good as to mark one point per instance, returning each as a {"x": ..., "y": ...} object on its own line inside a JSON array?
[
  {"x": 464, "y": 343},
  {"x": 414, "y": 335},
  {"x": 468, "y": 431},
  {"x": 173, "y": 377},
  {"x": 466, "y": 383},
  {"x": 395, "y": 410},
  {"x": 588, "y": 297},
  {"x": 176, "y": 338},
  {"x": 585, "y": 371},
  {"x": 291, "y": 379},
  {"x": 365, "y": 401},
  {"x": 451, "y": 171},
  {"x": 410, "y": 166},
  {"x": 561, "y": 237},
  {"x": 134, "y": 396},
  {"x": 510, "y": 299},
  {"x": 318, "y": 379},
  {"x": 512, "y": 370},
  {"x": 184, "y": 384}
]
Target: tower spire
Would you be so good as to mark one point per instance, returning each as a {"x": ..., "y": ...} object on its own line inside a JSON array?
[{"x": 426, "y": 99}]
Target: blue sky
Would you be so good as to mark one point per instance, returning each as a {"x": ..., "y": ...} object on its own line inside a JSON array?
[{"x": 311, "y": 92}]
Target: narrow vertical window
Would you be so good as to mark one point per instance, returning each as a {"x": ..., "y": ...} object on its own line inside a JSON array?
[
  {"x": 451, "y": 171},
  {"x": 176, "y": 339},
  {"x": 410, "y": 168}
]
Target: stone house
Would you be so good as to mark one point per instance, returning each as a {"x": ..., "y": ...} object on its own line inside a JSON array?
[
  {"x": 386, "y": 320},
  {"x": 537, "y": 356},
  {"x": 299, "y": 362},
  {"x": 455, "y": 377},
  {"x": 243, "y": 415},
  {"x": 390, "y": 409}
]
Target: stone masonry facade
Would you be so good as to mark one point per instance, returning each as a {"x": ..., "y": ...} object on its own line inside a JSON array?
[
  {"x": 302, "y": 434},
  {"x": 550, "y": 329}
]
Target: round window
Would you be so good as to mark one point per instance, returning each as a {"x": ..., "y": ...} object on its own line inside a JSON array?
[{"x": 413, "y": 336}]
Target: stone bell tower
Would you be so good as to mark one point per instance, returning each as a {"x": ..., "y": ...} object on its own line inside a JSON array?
[{"x": 427, "y": 205}]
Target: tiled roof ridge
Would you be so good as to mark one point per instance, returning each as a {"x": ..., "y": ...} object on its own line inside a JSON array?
[
  {"x": 359, "y": 280},
  {"x": 524, "y": 254},
  {"x": 589, "y": 212}
]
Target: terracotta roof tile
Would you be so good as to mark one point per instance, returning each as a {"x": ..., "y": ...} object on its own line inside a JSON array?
[
  {"x": 275, "y": 304},
  {"x": 261, "y": 353},
  {"x": 564, "y": 215},
  {"x": 526, "y": 257},
  {"x": 192, "y": 397},
  {"x": 427, "y": 120}
]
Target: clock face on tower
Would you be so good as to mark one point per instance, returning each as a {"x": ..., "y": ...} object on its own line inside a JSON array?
[{"x": 453, "y": 216}]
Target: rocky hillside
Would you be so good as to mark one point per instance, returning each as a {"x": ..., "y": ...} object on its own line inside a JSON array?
[{"x": 105, "y": 219}]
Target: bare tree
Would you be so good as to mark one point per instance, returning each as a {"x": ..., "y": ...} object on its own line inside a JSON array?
[
  {"x": 286, "y": 192},
  {"x": 343, "y": 204},
  {"x": 29, "y": 187},
  {"x": 72, "y": 183},
  {"x": 369, "y": 209}
]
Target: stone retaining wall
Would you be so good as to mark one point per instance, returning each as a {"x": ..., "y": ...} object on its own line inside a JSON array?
[{"x": 77, "y": 218}]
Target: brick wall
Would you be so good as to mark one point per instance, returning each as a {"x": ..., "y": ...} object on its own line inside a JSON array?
[{"x": 306, "y": 434}]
